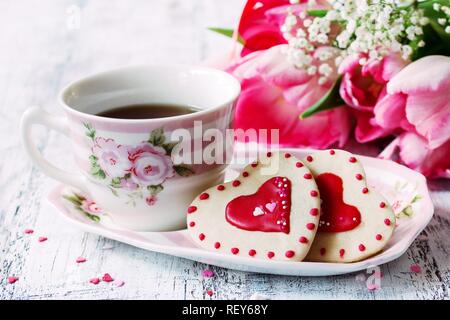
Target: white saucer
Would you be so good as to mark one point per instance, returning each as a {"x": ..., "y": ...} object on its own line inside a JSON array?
[{"x": 405, "y": 189}]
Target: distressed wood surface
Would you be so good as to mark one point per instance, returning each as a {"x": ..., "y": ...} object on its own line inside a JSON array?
[{"x": 42, "y": 49}]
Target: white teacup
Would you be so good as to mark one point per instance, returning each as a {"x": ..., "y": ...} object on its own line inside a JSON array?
[{"x": 125, "y": 165}]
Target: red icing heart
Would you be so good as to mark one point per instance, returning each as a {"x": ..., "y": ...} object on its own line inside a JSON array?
[
  {"x": 337, "y": 216},
  {"x": 266, "y": 210}
]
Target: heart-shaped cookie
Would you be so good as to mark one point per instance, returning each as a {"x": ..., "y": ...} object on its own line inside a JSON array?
[
  {"x": 355, "y": 221},
  {"x": 271, "y": 211}
]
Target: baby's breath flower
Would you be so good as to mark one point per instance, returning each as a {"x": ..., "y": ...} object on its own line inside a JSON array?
[
  {"x": 442, "y": 21},
  {"x": 368, "y": 28}
]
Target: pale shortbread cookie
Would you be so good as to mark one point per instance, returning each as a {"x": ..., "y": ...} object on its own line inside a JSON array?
[
  {"x": 356, "y": 228},
  {"x": 259, "y": 215}
]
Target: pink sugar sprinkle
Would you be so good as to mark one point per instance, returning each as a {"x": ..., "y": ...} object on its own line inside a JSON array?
[
  {"x": 415, "y": 268},
  {"x": 207, "y": 273},
  {"x": 95, "y": 281},
  {"x": 378, "y": 274},
  {"x": 80, "y": 260},
  {"x": 107, "y": 278},
  {"x": 12, "y": 279},
  {"x": 42, "y": 239},
  {"x": 119, "y": 283},
  {"x": 209, "y": 292},
  {"x": 372, "y": 286},
  {"x": 28, "y": 231}
]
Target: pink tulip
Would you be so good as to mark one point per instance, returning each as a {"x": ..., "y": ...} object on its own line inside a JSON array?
[
  {"x": 421, "y": 92},
  {"x": 275, "y": 93},
  {"x": 261, "y": 20},
  {"x": 364, "y": 89}
]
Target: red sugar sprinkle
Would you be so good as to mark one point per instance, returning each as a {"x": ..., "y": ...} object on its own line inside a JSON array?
[
  {"x": 192, "y": 224},
  {"x": 361, "y": 247},
  {"x": 234, "y": 250},
  {"x": 12, "y": 279},
  {"x": 107, "y": 277},
  {"x": 245, "y": 174},
  {"x": 310, "y": 226},
  {"x": 322, "y": 251},
  {"x": 303, "y": 239},
  {"x": 204, "y": 196},
  {"x": 314, "y": 211},
  {"x": 217, "y": 245},
  {"x": 309, "y": 158},
  {"x": 289, "y": 254},
  {"x": 415, "y": 268},
  {"x": 387, "y": 222},
  {"x": 201, "y": 236},
  {"x": 287, "y": 155},
  {"x": 378, "y": 237},
  {"x": 299, "y": 164},
  {"x": 270, "y": 254},
  {"x": 42, "y": 239},
  {"x": 251, "y": 252},
  {"x": 352, "y": 159},
  {"x": 254, "y": 164},
  {"x": 359, "y": 176},
  {"x": 192, "y": 209},
  {"x": 80, "y": 260},
  {"x": 209, "y": 292},
  {"x": 28, "y": 231},
  {"x": 236, "y": 183},
  {"x": 341, "y": 253},
  {"x": 269, "y": 154},
  {"x": 95, "y": 281},
  {"x": 382, "y": 204},
  {"x": 365, "y": 190},
  {"x": 307, "y": 176},
  {"x": 314, "y": 193},
  {"x": 220, "y": 187},
  {"x": 332, "y": 152}
]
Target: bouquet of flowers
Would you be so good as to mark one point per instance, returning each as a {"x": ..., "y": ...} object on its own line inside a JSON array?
[{"x": 323, "y": 71}]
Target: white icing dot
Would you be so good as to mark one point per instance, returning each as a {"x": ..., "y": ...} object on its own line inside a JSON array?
[
  {"x": 284, "y": 207},
  {"x": 285, "y": 186},
  {"x": 278, "y": 222},
  {"x": 284, "y": 179},
  {"x": 283, "y": 202},
  {"x": 328, "y": 223},
  {"x": 354, "y": 219}
]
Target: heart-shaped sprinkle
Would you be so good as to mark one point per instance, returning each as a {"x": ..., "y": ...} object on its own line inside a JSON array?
[
  {"x": 258, "y": 211},
  {"x": 94, "y": 280},
  {"x": 12, "y": 279},
  {"x": 271, "y": 206},
  {"x": 80, "y": 260},
  {"x": 107, "y": 278}
]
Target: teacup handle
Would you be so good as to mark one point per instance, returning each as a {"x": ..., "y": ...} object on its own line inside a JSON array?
[{"x": 36, "y": 115}]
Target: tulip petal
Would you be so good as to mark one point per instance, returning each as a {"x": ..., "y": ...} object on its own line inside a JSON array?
[
  {"x": 430, "y": 114},
  {"x": 430, "y": 73}
]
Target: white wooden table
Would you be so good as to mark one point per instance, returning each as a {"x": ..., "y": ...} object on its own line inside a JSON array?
[{"x": 42, "y": 47}]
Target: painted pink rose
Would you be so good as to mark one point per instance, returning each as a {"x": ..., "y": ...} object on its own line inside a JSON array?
[
  {"x": 424, "y": 88},
  {"x": 150, "y": 164},
  {"x": 112, "y": 157},
  {"x": 128, "y": 184},
  {"x": 275, "y": 93},
  {"x": 90, "y": 207},
  {"x": 364, "y": 89}
]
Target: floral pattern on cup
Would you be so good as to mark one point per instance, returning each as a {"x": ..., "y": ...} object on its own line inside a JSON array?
[
  {"x": 140, "y": 170},
  {"x": 86, "y": 206}
]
